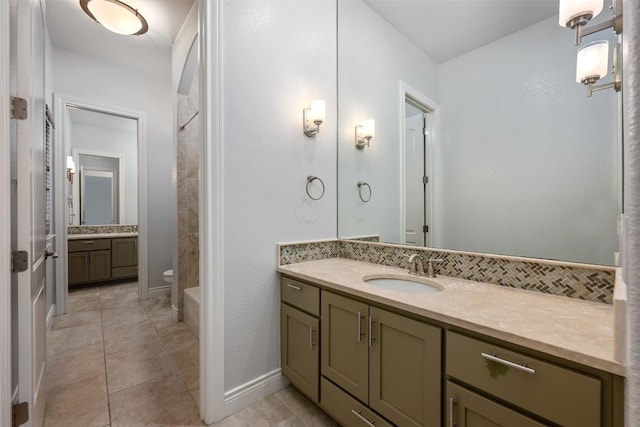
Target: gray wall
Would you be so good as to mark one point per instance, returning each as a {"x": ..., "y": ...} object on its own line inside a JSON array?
[{"x": 104, "y": 83}]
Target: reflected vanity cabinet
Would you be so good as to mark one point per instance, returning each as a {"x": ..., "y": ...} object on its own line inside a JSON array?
[{"x": 101, "y": 259}]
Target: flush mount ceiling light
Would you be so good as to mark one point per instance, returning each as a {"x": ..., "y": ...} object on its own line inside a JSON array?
[{"x": 115, "y": 16}]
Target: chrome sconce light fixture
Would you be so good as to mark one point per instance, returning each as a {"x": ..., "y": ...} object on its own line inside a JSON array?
[
  {"x": 593, "y": 58},
  {"x": 313, "y": 117},
  {"x": 71, "y": 169},
  {"x": 116, "y": 16},
  {"x": 364, "y": 133}
]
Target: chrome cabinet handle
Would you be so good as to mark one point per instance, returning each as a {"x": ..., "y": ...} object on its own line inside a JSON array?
[
  {"x": 311, "y": 331},
  {"x": 452, "y": 404},
  {"x": 508, "y": 363},
  {"x": 297, "y": 288},
  {"x": 90, "y": 257},
  {"x": 86, "y": 258},
  {"x": 363, "y": 419},
  {"x": 359, "y": 326},
  {"x": 88, "y": 242},
  {"x": 371, "y": 322}
]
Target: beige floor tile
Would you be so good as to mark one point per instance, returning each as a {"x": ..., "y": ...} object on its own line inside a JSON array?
[
  {"x": 70, "y": 367},
  {"x": 120, "y": 287},
  {"x": 187, "y": 361},
  {"x": 122, "y": 337},
  {"x": 119, "y": 300},
  {"x": 81, "y": 404},
  {"x": 83, "y": 291},
  {"x": 123, "y": 315},
  {"x": 163, "y": 401},
  {"x": 136, "y": 366},
  {"x": 308, "y": 412},
  {"x": 75, "y": 318},
  {"x": 269, "y": 411},
  {"x": 73, "y": 338},
  {"x": 89, "y": 303}
]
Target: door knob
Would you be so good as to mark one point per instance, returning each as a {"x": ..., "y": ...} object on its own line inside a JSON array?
[{"x": 48, "y": 254}]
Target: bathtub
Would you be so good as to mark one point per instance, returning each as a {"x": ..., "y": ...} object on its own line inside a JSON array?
[{"x": 192, "y": 309}]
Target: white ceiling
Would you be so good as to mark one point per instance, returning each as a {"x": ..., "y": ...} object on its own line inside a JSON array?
[
  {"x": 71, "y": 29},
  {"x": 445, "y": 29}
]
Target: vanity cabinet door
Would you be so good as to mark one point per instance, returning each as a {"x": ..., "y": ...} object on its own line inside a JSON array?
[
  {"x": 299, "y": 350},
  {"x": 468, "y": 409},
  {"x": 345, "y": 351},
  {"x": 78, "y": 266},
  {"x": 405, "y": 369},
  {"x": 124, "y": 252},
  {"x": 99, "y": 265}
]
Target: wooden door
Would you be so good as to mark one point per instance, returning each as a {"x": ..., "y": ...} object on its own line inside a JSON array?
[
  {"x": 299, "y": 350},
  {"x": 468, "y": 409},
  {"x": 78, "y": 267},
  {"x": 30, "y": 204},
  {"x": 100, "y": 265},
  {"x": 124, "y": 252},
  {"x": 405, "y": 369},
  {"x": 345, "y": 354}
]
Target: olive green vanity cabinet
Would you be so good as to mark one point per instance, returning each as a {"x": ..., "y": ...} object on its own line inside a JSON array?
[
  {"x": 299, "y": 328},
  {"x": 385, "y": 360},
  {"x": 101, "y": 259}
]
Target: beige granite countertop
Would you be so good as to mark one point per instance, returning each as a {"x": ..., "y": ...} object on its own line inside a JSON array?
[
  {"x": 572, "y": 329},
  {"x": 100, "y": 236}
]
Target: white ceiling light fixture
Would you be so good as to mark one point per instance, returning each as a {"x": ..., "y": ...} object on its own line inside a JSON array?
[{"x": 115, "y": 16}]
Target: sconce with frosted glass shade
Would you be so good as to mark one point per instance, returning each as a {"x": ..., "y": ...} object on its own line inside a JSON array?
[
  {"x": 313, "y": 117},
  {"x": 575, "y": 14},
  {"x": 71, "y": 169},
  {"x": 593, "y": 64},
  {"x": 116, "y": 16},
  {"x": 364, "y": 133}
]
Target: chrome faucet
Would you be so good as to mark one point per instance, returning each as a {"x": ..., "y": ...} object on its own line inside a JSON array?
[
  {"x": 415, "y": 265},
  {"x": 430, "y": 272}
]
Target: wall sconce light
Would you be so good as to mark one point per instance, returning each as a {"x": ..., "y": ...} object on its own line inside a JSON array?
[
  {"x": 364, "y": 133},
  {"x": 593, "y": 64},
  {"x": 313, "y": 117},
  {"x": 575, "y": 14},
  {"x": 115, "y": 16},
  {"x": 71, "y": 169}
]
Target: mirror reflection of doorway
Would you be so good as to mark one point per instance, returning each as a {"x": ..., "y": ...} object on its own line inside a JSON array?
[
  {"x": 417, "y": 130},
  {"x": 98, "y": 199}
]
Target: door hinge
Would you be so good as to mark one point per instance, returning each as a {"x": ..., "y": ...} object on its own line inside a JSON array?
[
  {"x": 425, "y": 180},
  {"x": 425, "y": 228},
  {"x": 18, "y": 108},
  {"x": 20, "y": 413},
  {"x": 19, "y": 261}
]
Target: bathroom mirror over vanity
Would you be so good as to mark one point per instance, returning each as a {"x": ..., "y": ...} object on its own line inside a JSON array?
[
  {"x": 483, "y": 139},
  {"x": 104, "y": 153}
]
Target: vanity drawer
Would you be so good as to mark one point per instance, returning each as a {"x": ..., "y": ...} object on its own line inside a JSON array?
[
  {"x": 300, "y": 295},
  {"x": 558, "y": 394},
  {"x": 345, "y": 409},
  {"x": 88, "y": 245}
]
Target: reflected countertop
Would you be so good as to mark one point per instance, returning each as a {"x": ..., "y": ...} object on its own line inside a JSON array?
[
  {"x": 571, "y": 329},
  {"x": 100, "y": 236}
]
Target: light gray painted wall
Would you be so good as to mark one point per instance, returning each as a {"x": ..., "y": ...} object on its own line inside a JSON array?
[
  {"x": 631, "y": 236},
  {"x": 104, "y": 83},
  {"x": 373, "y": 58},
  {"x": 522, "y": 148},
  {"x": 113, "y": 141},
  {"x": 277, "y": 56}
]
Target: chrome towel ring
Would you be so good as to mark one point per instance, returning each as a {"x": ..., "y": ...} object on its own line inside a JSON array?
[
  {"x": 364, "y": 184},
  {"x": 310, "y": 179}
]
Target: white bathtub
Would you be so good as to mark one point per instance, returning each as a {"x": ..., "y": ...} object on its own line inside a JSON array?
[{"x": 192, "y": 309}]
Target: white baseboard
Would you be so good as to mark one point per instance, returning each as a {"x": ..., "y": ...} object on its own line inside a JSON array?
[
  {"x": 50, "y": 314},
  {"x": 159, "y": 292},
  {"x": 252, "y": 391}
]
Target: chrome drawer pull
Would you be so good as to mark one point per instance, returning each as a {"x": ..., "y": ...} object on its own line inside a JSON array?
[
  {"x": 496, "y": 359},
  {"x": 88, "y": 242},
  {"x": 297, "y": 288},
  {"x": 311, "y": 331},
  {"x": 371, "y": 338},
  {"x": 363, "y": 419}
]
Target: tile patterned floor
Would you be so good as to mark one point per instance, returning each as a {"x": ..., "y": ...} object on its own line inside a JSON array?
[{"x": 116, "y": 361}]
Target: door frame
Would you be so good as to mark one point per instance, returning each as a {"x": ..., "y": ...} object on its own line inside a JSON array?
[
  {"x": 62, "y": 104},
  {"x": 5, "y": 226},
  {"x": 407, "y": 91}
]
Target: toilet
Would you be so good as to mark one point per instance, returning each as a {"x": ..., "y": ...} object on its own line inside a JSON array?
[{"x": 167, "y": 276}]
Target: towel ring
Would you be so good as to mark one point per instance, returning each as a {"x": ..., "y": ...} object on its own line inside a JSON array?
[
  {"x": 364, "y": 184},
  {"x": 310, "y": 179}
]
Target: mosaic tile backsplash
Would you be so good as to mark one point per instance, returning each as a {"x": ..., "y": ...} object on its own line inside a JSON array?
[
  {"x": 574, "y": 281},
  {"x": 101, "y": 229}
]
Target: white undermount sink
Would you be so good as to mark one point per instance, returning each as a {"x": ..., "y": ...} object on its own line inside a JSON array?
[{"x": 403, "y": 284}]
